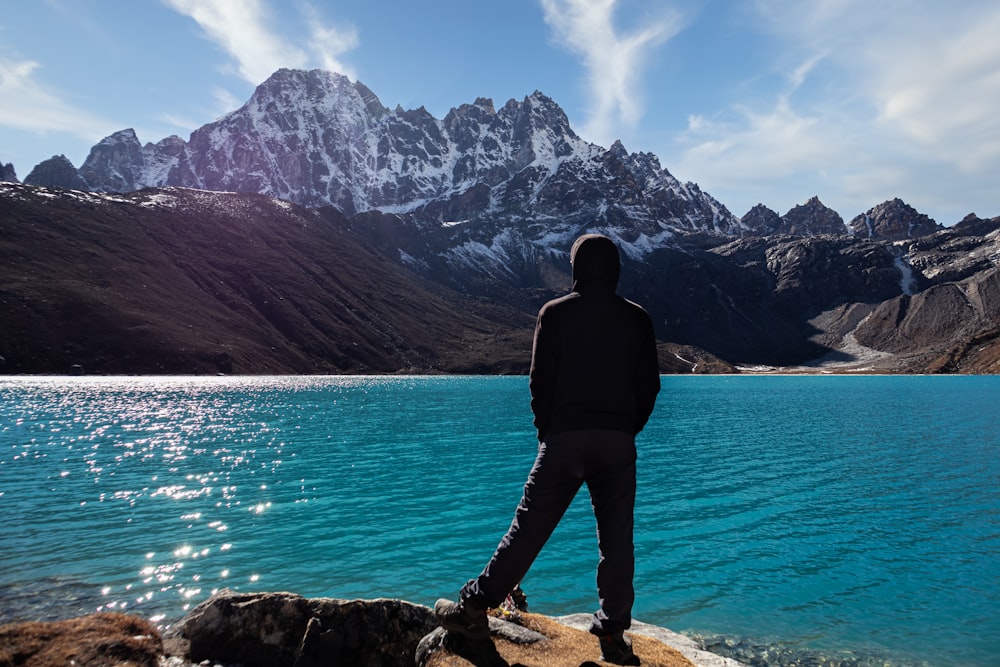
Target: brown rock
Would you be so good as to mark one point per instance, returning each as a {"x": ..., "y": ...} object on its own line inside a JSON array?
[{"x": 97, "y": 640}]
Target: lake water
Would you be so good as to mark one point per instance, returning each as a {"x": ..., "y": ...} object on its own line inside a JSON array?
[{"x": 842, "y": 516}]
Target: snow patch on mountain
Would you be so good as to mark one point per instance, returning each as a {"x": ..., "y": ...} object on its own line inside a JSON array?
[{"x": 907, "y": 281}]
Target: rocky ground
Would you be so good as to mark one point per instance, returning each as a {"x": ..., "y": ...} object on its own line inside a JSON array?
[{"x": 282, "y": 629}]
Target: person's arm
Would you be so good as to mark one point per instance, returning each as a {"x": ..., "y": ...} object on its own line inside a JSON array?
[
  {"x": 542, "y": 375},
  {"x": 647, "y": 376}
]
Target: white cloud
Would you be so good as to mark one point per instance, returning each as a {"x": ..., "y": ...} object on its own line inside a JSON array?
[
  {"x": 896, "y": 98},
  {"x": 328, "y": 43},
  {"x": 942, "y": 88},
  {"x": 742, "y": 158},
  {"x": 181, "y": 124},
  {"x": 26, "y": 104},
  {"x": 225, "y": 101},
  {"x": 241, "y": 28},
  {"x": 778, "y": 142},
  {"x": 613, "y": 60},
  {"x": 247, "y": 31}
]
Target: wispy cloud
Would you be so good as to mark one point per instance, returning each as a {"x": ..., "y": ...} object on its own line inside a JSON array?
[
  {"x": 328, "y": 43},
  {"x": 942, "y": 88},
  {"x": 613, "y": 60},
  {"x": 26, "y": 104},
  {"x": 247, "y": 31},
  {"x": 897, "y": 98}
]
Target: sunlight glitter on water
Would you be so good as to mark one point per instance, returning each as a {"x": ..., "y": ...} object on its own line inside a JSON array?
[
  {"x": 796, "y": 498},
  {"x": 136, "y": 440}
]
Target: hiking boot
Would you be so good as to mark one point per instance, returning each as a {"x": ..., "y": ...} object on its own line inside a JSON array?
[
  {"x": 458, "y": 618},
  {"x": 618, "y": 650}
]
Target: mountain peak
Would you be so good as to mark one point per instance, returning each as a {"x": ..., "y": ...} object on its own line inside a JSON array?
[
  {"x": 486, "y": 104},
  {"x": 116, "y": 163},
  {"x": 316, "y": 138},
  {"x": 7, "y": 173},
  {"x": 58, "y": 172},
  {"x": 618, "y": 148},
  {"x": 761, "y": 221},
  {"x": 893, "y": 220},
  {"x": 812, "y": 219}
]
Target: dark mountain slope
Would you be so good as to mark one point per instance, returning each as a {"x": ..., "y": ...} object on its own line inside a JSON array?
[{"x": 184, "y": 281}]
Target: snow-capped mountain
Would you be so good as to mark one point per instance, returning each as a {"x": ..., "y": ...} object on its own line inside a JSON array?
[
  {"x": 315, "y": 138},
  {"x": 484, "y": 193}
]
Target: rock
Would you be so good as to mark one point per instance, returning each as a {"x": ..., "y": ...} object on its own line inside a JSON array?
[
  {"x": 440, "y": 645},
  {"x": 284, "y": 629},
  {"x": 959, "y": 252},
  {"x": 96, "y": 640},
  {"x": 439, "y": 640}
]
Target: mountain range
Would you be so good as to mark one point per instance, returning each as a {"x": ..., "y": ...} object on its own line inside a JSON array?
[{"x": 316, "y": 186}]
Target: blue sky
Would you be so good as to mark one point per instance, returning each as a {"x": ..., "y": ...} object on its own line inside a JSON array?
[{"x": 757, "y": 101}]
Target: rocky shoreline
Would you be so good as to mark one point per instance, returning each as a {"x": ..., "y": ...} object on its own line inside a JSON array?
[
  {"x": 233, "y": 629},
  {"x": 284, "y": 629}
]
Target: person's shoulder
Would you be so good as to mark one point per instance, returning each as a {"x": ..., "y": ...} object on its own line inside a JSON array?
[
  {"x": 559, "y": 302},
  {"x": 635, "y": 313},
  {"x": 632, "y": 305}
]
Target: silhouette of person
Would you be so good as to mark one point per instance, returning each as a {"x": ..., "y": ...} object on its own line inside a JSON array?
[{"x": 594, "y": 379}]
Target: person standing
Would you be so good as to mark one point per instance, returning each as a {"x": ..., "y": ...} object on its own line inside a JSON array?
[{"x": 593, "y": 381}]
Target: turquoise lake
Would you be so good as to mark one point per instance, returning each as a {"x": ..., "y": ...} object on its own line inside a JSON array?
[{"x": 843, "y": 515}]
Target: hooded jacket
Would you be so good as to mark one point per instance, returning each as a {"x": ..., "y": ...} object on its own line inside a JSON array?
[{"x": 593, "y": 360}]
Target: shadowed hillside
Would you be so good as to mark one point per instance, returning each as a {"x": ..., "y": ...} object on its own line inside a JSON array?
[{"x": 182, "y": 281}]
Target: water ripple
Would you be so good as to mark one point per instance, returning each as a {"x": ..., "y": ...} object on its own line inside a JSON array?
[{"x": 832, "y": 513}]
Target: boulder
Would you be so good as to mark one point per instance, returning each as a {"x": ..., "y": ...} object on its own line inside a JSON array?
[{"x": 284, "y": 629}]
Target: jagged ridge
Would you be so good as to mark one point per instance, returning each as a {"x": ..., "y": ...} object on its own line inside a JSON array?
[
  {"x": 314, "y": 138},
  {"x": 487, "y": 191}
]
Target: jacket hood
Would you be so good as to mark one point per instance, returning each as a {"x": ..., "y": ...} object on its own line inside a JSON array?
[{"x": 596, "y": 263}]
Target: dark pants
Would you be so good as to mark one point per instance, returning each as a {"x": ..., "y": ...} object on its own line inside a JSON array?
[{"x": 605, "y": 460}]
